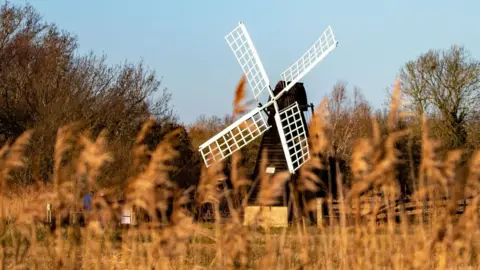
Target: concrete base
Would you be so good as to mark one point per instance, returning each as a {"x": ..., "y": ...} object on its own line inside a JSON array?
[{"x": 271, "y": 216}]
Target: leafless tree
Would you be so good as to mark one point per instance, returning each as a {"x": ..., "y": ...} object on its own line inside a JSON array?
[
  {"x": 349, "y": 118},
  {"x": 45, "y": 84},
  {"x": 444, "y": 83}
]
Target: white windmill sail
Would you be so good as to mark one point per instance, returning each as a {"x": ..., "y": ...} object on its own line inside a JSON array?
[
  {"x": 316, "y": 53},
  {"x": 234, "y": 137},
  {"x": 293, "y": 136},
  {"x": 242, "y": 46}
]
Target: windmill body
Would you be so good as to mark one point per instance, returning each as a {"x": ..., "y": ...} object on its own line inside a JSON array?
[
  {"x": 275, "y": 156},
  {"x": 281, "y": 120}
]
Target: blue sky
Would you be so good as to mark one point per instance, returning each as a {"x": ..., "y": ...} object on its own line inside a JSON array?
[{"x": 184, "y": 40}]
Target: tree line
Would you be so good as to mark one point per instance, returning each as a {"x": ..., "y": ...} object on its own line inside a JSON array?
[{"x": 45, "y": 84}]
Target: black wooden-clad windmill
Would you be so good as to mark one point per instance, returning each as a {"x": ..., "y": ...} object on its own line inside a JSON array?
[
  {"x": 271, "y": 141},
  {"x": 287, "y": 142}
]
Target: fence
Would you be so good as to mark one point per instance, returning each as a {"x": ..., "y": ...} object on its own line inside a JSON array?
[
  {"x": 368, "y": 208},
  {"x": 333, "y": 210}
]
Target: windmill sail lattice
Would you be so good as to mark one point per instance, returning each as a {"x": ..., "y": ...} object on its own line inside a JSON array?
[
  {"x": 247, "y": 56},
  {"x": 234, "y": 137},
  {"x": 295, "y": 141},
  {"x": 290, "y": 126},
  {"x": 319, "y": 50}
]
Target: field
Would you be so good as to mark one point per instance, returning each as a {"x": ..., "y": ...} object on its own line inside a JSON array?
[
  {"x": 440, "y": 245},
  {"x": 400, "y": 182},
  {"x": 433, "y": 237}
]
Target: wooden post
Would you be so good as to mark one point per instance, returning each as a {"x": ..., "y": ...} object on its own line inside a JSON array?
[
  {"x": 49, "y": 213},
  {"x": 73, "y": 217},
  {"x": 319, "y": 212}
]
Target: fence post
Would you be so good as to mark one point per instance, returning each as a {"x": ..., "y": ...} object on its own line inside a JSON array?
[
  {"x": 319, "y": 212},
  {"x": 49, "y": 213}
]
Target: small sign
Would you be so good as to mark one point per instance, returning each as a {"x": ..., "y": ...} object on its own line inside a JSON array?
[
  {"x": 49, "y": 207},
  {"x": 270, "y": 170},
  {"x": 126, "y": 216}
]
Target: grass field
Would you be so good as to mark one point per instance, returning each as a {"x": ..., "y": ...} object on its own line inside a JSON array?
[{"x": 442, "y": 239}]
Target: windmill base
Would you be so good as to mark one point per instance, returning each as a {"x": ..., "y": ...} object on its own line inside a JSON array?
[{"x": 266, "y": 216}]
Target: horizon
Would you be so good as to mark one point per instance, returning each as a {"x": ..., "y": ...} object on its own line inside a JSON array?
[{"x": 372, "y": 46}]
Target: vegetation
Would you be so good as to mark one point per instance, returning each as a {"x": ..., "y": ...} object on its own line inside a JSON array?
[{"x": 70, "y": 123}]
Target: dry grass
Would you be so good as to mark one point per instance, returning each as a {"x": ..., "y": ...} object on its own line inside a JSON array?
[{"x": 440, "y": 240}]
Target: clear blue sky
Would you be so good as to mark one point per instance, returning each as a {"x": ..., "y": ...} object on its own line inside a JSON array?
[{"x": 183, "y": 40}]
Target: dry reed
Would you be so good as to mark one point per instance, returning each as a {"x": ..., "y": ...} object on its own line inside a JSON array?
[{"x": 436, "y": 239}]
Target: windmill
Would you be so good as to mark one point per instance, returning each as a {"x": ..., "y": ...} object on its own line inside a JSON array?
[{"x": 286, "y": 142}]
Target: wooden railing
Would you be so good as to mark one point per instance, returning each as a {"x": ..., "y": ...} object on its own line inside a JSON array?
[
  {"x": 128, "y": 216},
  {"x": 375, "y": 208}
]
